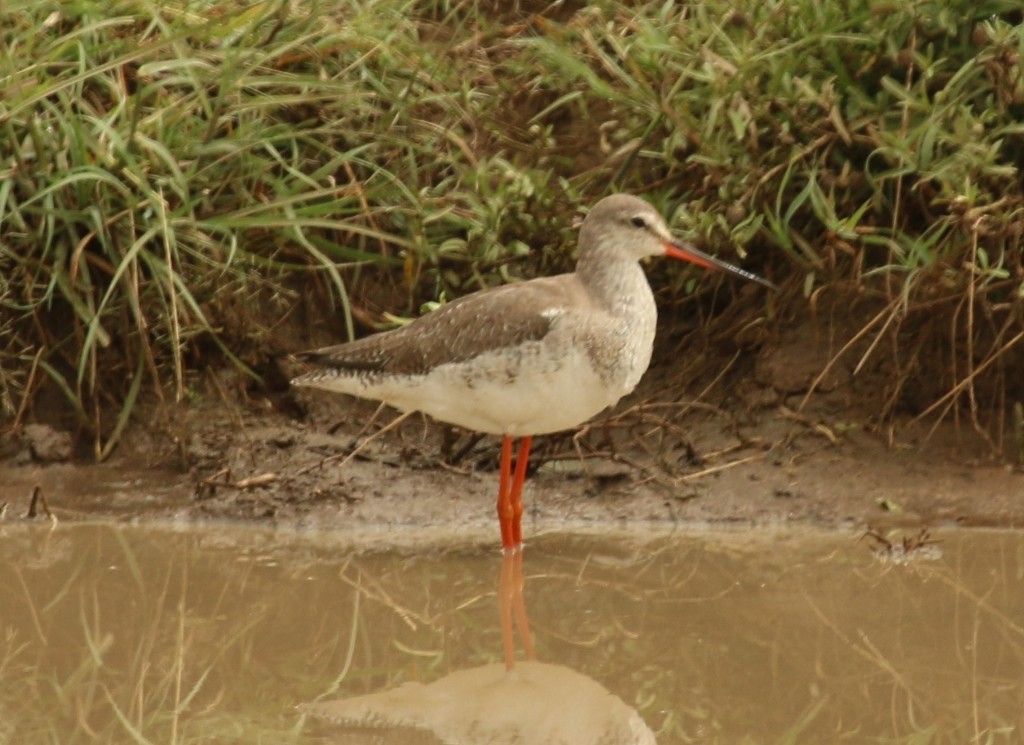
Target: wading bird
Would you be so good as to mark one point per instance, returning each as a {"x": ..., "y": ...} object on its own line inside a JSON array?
[{"x": 525, "y": 359}]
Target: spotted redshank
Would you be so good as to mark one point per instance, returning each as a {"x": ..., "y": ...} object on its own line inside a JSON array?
[{"x": 525, "y": 359}]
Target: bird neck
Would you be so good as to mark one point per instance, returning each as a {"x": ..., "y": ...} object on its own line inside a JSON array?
[{"x": 616, "y": 283}]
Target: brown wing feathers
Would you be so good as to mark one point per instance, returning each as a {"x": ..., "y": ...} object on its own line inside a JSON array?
[{"x": 456, "y": 332}]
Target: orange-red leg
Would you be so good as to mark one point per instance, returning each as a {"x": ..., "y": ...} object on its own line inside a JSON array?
[
  {"x": 510, "y": 492},
  {"x": 516, "y": 497},
  {"x": 505, "y": 509}
]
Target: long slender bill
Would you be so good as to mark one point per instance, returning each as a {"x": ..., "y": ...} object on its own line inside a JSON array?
[{"x": 686, "y": 252}]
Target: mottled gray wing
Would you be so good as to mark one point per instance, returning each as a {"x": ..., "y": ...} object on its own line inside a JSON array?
[{"x": 492, "y": 319}]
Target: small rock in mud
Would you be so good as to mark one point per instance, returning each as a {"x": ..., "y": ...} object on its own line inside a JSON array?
[
  {"x": 48, "y": 444},
  {"x": 283, "y": 438}
]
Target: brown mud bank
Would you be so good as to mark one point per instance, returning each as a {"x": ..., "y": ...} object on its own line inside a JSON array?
[{"x": 664, "y": 456}]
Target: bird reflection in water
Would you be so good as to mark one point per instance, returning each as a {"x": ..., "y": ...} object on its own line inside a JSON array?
[{"x": 500, "y": 704}]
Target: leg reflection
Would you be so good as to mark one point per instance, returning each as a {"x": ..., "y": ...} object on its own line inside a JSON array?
[{"x": 511, "y": 605}]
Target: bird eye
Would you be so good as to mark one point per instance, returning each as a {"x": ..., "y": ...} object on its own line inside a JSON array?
[{"x": 638, "y": 222}]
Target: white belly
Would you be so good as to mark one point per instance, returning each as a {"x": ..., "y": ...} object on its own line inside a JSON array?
[{"x": 502, "y": 396}]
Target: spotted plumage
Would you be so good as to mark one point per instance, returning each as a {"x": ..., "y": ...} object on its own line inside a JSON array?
[{"x": 530, "y": 358}]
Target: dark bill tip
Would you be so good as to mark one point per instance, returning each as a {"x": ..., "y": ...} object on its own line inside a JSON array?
[{"x": 688, "y": 253}]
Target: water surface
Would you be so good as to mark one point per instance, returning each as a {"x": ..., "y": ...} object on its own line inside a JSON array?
[{"x": 116, "y": 633}]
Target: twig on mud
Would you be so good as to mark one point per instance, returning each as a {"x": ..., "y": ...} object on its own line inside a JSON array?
[
  {"x": 347, "y": 457},
  {"x": 453, "y": 469},
  {"x": 904, "y": 547},
  {"x": 818, "y": 427},
  {"x": 366, "y": 427},
  {"x": 564, "y": 455},
  {"x": 651, "y": 475},
  {"x": 716, "y": 469},
  {"x": 262, "y": 480},
  {"x": 38, "y": 499},
  {"x": 224, "y": 474},
  {"x": 744, "y": 444},
  {"x": 215, "y": 481}
]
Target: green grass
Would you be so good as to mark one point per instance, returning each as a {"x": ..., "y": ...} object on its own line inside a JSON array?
[{"x": 176, "y": 179}]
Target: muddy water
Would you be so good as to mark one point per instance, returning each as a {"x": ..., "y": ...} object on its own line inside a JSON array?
[{"x": 231, "y": 635}]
